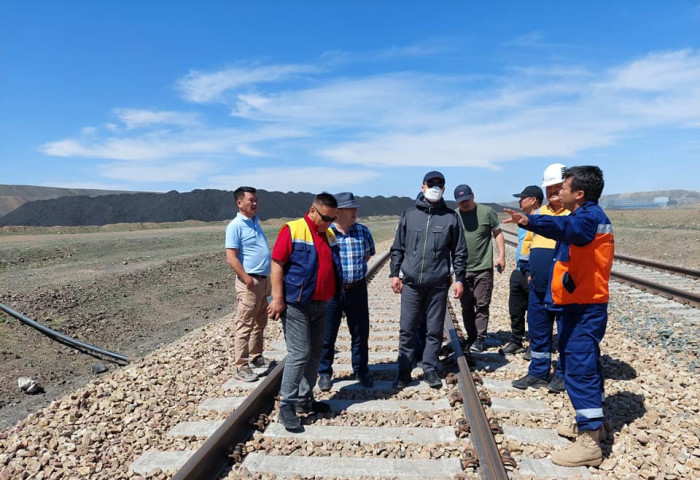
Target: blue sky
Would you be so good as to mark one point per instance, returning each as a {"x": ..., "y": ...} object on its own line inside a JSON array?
[{"x": 359, "y": 96}]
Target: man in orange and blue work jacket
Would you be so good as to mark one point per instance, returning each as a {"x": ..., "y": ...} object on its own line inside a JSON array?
[
  {"x": 306, "y": 273},
  {"x": 579, "y": 284}
]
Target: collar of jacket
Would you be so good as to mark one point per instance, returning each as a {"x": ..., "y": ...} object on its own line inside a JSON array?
[{"x": 423, "y": 204}]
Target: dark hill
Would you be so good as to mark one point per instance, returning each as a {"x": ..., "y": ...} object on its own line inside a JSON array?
[{"x": 204, "y": 205}]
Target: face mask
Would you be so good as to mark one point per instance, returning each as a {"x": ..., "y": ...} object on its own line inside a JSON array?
[{"x": 433, "y": 194}]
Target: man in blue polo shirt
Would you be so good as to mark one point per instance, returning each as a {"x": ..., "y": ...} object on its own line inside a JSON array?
[
  {"x": 248, "y": 254},
  {"x": 356, "y": 247}
]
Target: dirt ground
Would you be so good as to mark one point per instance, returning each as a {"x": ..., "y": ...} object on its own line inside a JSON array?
[{"x": 131, "y": 288}]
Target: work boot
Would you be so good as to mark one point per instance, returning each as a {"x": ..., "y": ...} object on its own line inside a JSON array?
[
  {"x": 556, "y": 384},
  {"x": 528, "y": 354},
  {"x": 432, "y": 379},
  {"x": 529, "y": 381},
  {"x": 585, "y": 451},
  {"x": 570, "y": 430},
  {"x": 325, "y": 383}
]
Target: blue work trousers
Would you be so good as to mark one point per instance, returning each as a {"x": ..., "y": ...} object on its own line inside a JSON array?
[
  {"x": 540, "y": 321},
  {"x": 418, "y": 302},
  {"x": 303, "y": 334},
  {"x": 582, "y": 330},
  {"x": 352, "y": 302}
]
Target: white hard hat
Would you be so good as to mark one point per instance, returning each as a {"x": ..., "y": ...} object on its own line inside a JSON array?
[{"x": 553, "y": 174}]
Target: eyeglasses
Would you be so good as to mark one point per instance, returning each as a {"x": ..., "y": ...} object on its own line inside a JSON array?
[
  {"x": 325, "y": 218},
  {"x": 435, "y": 183}
]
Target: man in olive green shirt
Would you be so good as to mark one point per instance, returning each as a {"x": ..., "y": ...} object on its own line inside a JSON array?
[{"x": 480, "y": 223}]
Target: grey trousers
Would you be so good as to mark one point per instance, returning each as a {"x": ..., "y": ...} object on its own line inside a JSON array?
[{"x": 476, "y": 301}]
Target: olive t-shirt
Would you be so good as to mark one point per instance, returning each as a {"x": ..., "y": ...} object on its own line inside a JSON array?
[{"x": 478, "y": 226}]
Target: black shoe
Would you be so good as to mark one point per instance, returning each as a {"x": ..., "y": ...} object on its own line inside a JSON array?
[
  {"x": 512, "y": 348},
  {"x": 401, "y": 382},
  {"x": 528, "y": 354},
  {"x": 478, "y": 345},
  {"x": 312, "y": 406},
  {"x": 365, "y": 378},
  {"x": 432, "y": 379},
  {"x": 556, "y": 385},
  {"x": 529, "y": 381},
  {"x": 325, "y": 383},
  {"x": 289, "y": 419}
]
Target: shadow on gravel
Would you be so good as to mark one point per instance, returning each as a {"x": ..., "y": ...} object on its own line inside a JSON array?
[
  {"x": 620, "y": 409},
  {"x": 615, "y": 369}
]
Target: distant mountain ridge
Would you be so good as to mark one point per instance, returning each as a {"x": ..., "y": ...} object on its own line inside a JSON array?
[{"x": 204, "y": 205}]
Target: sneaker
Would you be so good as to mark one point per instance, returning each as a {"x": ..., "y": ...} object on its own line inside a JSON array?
[
  {"x": 512, "y": 348},
  {"x": 529, "y": 381},
  {"x": 400, "y": 383},
  {"x": 325, "y": 383},
  {"x": 261, "y": 362},
  {"x": 365, "y": 378},
  {"x": 289, "y": 419},
  {"x": 312, "y": 406},
  {"x": 528, "y": 354},
  {"x": 478, "y": 345},
  {"x": 556, "y": 384},
  {"x": 245, "y": 374},
  {"x": 432, "y": 379}
]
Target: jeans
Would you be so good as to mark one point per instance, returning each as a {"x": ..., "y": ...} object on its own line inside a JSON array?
[
  {"x": 476, "y": 301},
  {"x": 303, "y": 334},
  {"x": 517, "y": 305},
  {"x": 418, "y": 303},
  {"x": 354, "y": 303}
]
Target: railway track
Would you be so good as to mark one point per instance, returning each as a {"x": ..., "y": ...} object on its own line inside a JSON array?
[
  {"x": 462, "y": 430},
  {"x": 423, "y": 428},
  {"x": 669, "y": 281}
]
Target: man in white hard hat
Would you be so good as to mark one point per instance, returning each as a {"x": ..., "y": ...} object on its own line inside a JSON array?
[{"x": 541, "y": 314}]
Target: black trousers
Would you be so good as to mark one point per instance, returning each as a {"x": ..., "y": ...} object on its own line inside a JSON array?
[{"x": 517, "y": 305}]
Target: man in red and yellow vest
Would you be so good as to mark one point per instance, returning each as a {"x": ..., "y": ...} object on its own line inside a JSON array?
[
  {"x": 579, "y": 284},
  {"x": 306, "y": 273}
]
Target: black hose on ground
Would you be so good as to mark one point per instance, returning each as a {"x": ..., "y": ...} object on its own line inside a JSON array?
[{"x": 71, "y": 342}]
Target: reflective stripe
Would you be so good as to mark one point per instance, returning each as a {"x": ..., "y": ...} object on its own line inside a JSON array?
[
  {"x": 590, "y": 413},
  {"x": 525, "y": 257},
  {"x": 540, "y": 354},
  {"x": 605, "y": 228}
]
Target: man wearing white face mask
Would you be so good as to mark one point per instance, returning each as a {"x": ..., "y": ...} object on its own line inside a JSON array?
[{"x": 429, "y": 239}]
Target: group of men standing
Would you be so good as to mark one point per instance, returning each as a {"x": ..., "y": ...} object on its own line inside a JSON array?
[{"x": 316, "y": 272}]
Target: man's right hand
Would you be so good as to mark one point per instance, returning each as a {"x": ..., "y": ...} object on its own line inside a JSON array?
[
  {"x": 396, "y": 284},
  {"x": 249, "y": 282},
  {"x": 275, "y": 308}
]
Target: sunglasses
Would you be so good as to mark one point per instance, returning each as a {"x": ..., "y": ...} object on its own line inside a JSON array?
[
  {"x": 435, "y": 183},
  {"x": 325, "y": 218}
]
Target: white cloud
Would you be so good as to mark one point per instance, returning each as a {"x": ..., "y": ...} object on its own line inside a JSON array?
[
  {"x": 136, "y": 118},
  {"x": 305, "y": 179},
  {"x": 530, "y": 39},
  {"x": 203, "y": 87}
]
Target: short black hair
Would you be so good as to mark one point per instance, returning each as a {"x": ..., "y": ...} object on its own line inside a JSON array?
[
  {"x": 241, "y": 191},
  {"x": 588, "y": 179},
  {"x": 326, "y": 199}
]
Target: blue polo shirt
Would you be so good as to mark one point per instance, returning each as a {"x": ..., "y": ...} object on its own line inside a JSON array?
[{"x": 245, "y": 235}]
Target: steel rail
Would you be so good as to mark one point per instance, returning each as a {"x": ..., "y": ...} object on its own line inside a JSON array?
[
  {"x": 657, "y": 288},
  {"x": 490, "y": 463},
  {"x": 209, "y": 460},
  {"x": 60, "y": 337},
  {"x": 664, "y": 290}
]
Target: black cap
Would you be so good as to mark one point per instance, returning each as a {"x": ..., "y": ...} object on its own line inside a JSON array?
[
  {"x": 463, "y": 192},
  {"x": 433, "y": 174},
  {"x": 531, "y": 191}
]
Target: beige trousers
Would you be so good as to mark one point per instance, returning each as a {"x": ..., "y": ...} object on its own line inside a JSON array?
[{"x": 251, "y": 319}]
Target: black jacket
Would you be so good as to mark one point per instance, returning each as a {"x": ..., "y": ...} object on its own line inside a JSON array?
[{"x": 428, "y": 240}]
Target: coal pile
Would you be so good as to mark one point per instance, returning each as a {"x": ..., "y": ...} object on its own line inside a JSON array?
[{"x": 204, "y": 205}]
